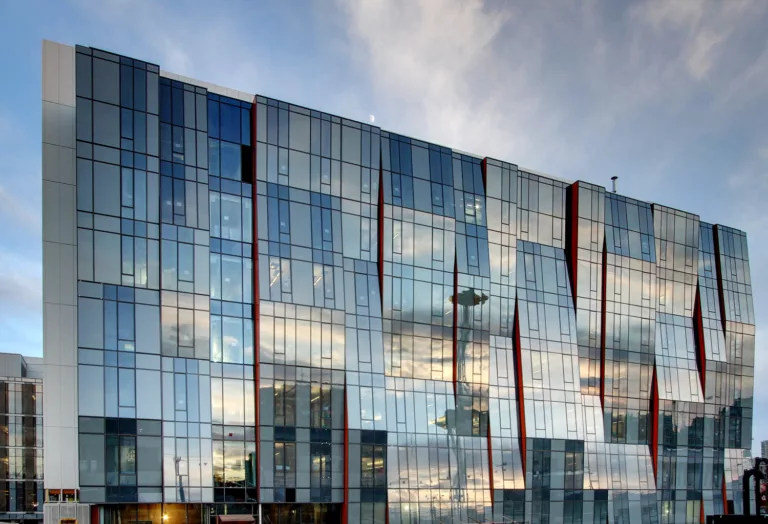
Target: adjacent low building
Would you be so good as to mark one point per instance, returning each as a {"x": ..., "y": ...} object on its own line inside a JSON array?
[
  {"x": 21, "y": 438},
  {"x": 255, "y": 308}
]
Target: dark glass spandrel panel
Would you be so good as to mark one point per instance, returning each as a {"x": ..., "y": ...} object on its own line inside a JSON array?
[
  {"x": 106, "y": 185},
  {"x": 213, "y": 119},
  {"x": 300, "y": 132},
  {"x": 91, "y": 460},
  {"x": 152, "y": 89},
  {"x": 107, "y": 258},
  {"x": 126, "y": 86},
  {"x": 350, "y": 147},
  {"x": 106, "y": 81},
  {"x": 83, "y": 75},
  {"x": 84, "y": 119},
  {"x": 106, "y": 124},
  {"x": 139, "y": 90},
  {"x": 421, "y": 162}
]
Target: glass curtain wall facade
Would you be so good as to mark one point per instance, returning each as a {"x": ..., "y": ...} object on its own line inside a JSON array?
[
  {"x": 21, "y": 448},
  {"x": 287, "y": 313}
]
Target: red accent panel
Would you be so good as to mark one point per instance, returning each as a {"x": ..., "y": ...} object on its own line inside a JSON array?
[
  {"x": 698, "y": 336},
  {"x": 519, "y": 388},
  {"x": 654, "y": 423},
  {"x": 484, "y": 166},
  {"x": 255, "y": 258},
  {"x": 455, "y": 324},
  {"x": 490, "y": 461},
  {"x": 720, "y": 292},
  {"x": 380, "y": 216},
  {"x": 94, "y": 515},
  {"x": 485, "y": 174},
  {"x": 345, "y": 507},
  {"x": 701, "y": 511},
  {"x": 725, "y": 496},
  {"x": 572, "y": 240},
  {"x": 603, "y": 325}
]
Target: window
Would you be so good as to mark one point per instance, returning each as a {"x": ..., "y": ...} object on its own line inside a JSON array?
[{"x": 285, "y": 464}]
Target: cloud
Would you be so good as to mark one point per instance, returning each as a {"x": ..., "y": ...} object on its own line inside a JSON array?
[
  {"x": 438, "y": 70},
  {"x": 201, "y": 43},
  {"x": 668, "y": 95}
]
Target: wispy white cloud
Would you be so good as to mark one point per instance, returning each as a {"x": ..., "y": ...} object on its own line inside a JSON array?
[
  {"x": 551, "y": 87},
  {"x": 669, "y": 95},
  {"x": 426, "y": 60}
]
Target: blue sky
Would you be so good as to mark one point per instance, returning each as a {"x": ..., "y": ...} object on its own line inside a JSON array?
[{"x": 672, "y": 97}]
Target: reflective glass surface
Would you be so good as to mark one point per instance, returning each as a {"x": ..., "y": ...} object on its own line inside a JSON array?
[{"x": 279, "y": 306}]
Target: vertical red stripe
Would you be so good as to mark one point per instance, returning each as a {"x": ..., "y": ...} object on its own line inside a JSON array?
[
  {"x": 380, "y": 254},
  {"x": 255, "y": 259},
  {"x": 345, "y": 507},
  {"x": 455, "y": 325},
  {"x": 94, "y": 514},
  {"x": 720, "y": 292},
  {"x": 603, "y": 324},
  {"x": 519, "y": 388},
  {"x": 654, "y": 414},
  {"x": 484, "y": 166},
  {"x": 725, "y": 496},
  {"x": 572, "y": 240},
  {"x": 490, "y": 461},
  {"x": 698, "y": 337}
]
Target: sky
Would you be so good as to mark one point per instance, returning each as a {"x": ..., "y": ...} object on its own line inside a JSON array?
[{"x": 671, "y": 97}]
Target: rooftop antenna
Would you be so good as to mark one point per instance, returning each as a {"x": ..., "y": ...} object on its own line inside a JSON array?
[{"x": 614, "y": 179}]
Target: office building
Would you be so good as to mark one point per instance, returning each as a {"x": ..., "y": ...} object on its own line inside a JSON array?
[
  {"x": 254, "y": 308},
  {"x": 21, "y": 438}
]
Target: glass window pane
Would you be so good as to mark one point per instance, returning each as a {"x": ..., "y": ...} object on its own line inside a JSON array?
[
  {"x": 232, "y": 338},
  {"x": 106, "y": 81},
  {"x": 91, "y": 459},
  {"x": 106, "y": 124},
  {"x": 230, "y": 161},
  {"x": 350, "y": 148},
  {"x": 126, "y": 388},
  {"x": 106, "y": 185},
  {"x": 231, "y": 278},
  {"x": 233, "y": 402},
  {"x": 91, "y": 391},
  {"x": 107, "y": 258},
  {"x": 299, "y": 132},
  {"x": 149, "y": 460},
  {"x": 231, "y": 217},
  {"x": 147, "y": 395},
  {"x": 230, "y": 123}
]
